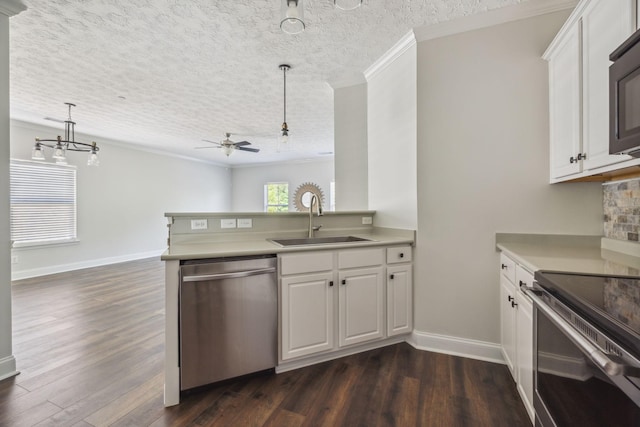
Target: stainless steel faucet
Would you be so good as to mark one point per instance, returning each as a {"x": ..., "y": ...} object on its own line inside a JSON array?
[{"x": 318, "y": 203}]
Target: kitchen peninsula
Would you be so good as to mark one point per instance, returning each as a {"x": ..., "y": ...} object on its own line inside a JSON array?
[{"x": 370, "y": 306}]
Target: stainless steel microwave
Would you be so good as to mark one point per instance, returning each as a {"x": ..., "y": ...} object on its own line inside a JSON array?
[{"x": 624, "y": 98}]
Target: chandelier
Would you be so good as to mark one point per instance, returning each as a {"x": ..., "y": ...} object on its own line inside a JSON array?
[
  {"x": 292, "y": 13},
  {"x": 347, "y": 4},
  {"x": 60, "y": 146},
  {"x": 284, "y": 131},
  {"x": 292, "y": 21}
]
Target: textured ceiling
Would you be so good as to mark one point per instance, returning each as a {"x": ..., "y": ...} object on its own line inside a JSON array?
[{"x": 166, "y": 74}]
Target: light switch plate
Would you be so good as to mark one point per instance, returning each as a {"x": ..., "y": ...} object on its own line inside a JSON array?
[
  {"x": 245, "y": 223},
  {"x": 199, "y": 224},
  {"x": 228, "y": 223},
  {"x": 367, "y": 220}
]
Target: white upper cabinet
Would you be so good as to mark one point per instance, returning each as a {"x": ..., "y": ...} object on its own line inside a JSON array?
[
  {"x": 564, "y": 105},
  {"x": 605, "y": 25},
  {"x": 579, "y": 87}
]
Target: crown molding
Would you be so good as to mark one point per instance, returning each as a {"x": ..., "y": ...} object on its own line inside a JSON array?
[
  {"x": 339, "y": 83},
  {"x": 11, "y": 7},
  {"x": 502, "y": 15},
  {"x": 391, "y": 55}
]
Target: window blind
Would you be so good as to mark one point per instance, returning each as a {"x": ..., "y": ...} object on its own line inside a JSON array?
[{"x": 43, "y": 202}]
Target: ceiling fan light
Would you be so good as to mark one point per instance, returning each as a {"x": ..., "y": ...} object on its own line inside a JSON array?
[
  {"x": 292, "y": 13},
  {"x": 347, "y": 4},
  {"x": 228, "y": 149}
]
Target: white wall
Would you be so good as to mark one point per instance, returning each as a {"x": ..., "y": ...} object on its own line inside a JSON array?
[
  {"x": 248, "y": 182},
  {"x": 483, "y": 167},
  {"x": 391, "y": 130},
  {"x": 121, "y": 203},
  {"x": 350, "y": 147}
]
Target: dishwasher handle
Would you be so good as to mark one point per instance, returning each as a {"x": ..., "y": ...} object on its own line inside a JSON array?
[{"x": 232, "y": 275}]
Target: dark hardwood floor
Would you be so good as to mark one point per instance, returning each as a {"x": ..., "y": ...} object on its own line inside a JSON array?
[{"x": 90, "y": 346}]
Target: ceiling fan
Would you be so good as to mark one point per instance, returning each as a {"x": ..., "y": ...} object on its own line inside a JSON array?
[{"x": 228, "y": 146}]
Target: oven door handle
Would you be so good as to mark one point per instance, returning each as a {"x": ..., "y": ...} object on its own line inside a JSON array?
[{"x": 611, "y": 364}]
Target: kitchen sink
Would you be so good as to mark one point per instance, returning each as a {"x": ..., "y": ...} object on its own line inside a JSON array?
[{"x": 318, "y": 240}]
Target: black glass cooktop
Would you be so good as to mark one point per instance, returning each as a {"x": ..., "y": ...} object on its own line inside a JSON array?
[{"x": 611, "y": 303}]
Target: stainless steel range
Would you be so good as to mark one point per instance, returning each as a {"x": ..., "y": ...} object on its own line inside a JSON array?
[{"x": 586, "y": 350}]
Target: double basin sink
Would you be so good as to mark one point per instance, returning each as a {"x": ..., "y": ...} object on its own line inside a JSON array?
[{"x": 310, "y": 241}]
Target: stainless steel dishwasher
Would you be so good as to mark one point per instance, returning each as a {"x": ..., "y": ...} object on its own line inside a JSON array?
[{"x": 228, "y": 318}]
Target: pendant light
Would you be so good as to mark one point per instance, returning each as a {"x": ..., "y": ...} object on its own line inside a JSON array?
[
  {"x": 347, "y": 4},
  {"x": 284, "y": 138},
  {"x": 292, "y": 14},
  {"x": 60, "y": 146}
]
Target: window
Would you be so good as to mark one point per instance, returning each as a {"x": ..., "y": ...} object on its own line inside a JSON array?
[
  {"x": 43, "y": 203},
  {"x": 276, "y": 197}
]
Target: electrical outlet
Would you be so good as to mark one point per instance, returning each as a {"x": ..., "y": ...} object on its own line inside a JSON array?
[
  {"x": 199, "y": 224},
  {"x": 367, "y": 220},
  {"x": 245, "y": 223},
  {"x": 14, "y": 259},
  {"x": 228, "y": 223}
]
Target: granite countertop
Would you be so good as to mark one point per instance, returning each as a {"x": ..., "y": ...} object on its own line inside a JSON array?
[
  {"x": 259, "y": 245},
  {"x": 575, "y": 254}
]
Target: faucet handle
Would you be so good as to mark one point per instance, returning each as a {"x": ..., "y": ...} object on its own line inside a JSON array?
[{"x": 317, "y": 227}]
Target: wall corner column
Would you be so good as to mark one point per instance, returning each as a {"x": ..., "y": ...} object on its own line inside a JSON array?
[{"x": 8, "y": 8}]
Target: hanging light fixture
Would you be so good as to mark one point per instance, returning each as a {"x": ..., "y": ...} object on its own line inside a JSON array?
[
  {"x": 347, "y": 4},
  {"x": 292, "y": 13},
  {"x": 60, "y": 146},
  {"x": 284, "y": 131}
]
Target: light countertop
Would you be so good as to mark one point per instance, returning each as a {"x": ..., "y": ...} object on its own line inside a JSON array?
[
  {"x": 260, "y": 245},
  {"x": 576, "y": 254}
]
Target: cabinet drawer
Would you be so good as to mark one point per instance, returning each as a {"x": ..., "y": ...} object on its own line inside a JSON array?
[
  {"x": 398, "y": 254},
  {"x": 523, "y": 277},
  {"x": 508, "y": 268},
  {"x": 308, "y": 262},
  {"x": 360, "y": 258}
]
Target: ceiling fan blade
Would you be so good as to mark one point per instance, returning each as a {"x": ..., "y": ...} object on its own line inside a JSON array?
[
  {"x": 241, "y": 143},
  {"x": 253, "y": 150}
]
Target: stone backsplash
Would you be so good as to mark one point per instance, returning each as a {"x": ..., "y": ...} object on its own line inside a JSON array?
[{"x": 622, "y": 210}]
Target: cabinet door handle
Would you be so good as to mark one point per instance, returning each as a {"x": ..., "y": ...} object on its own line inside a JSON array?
[
  {"x": 401, "y": 255},
  {"x": 503, "y": 266},
  {"x": 580, "y": 156},
  {"x": 344, "y": 281},
  {"x": 514, "y": 304},
  {"x": 521, "y": 283},
  {"x": 391, "y": 276},
  {"x": 331, "y": 283},
  {"x": 509, "y": 298}
]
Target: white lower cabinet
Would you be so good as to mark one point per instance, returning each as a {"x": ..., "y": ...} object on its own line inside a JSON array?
[
  {"x": 361, "y": 305},
  {"x": 508, "y": 322},
  {"x": 516, "y": 328},
  {"x": 399, "y": 299},
  {"x": 335, "y": 299},
  {"x": 307, "y": 314},
  {"x": 524, "y": 351}
]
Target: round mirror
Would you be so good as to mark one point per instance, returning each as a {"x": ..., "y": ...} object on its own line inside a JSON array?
[{"x": 302, "y": 198}]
